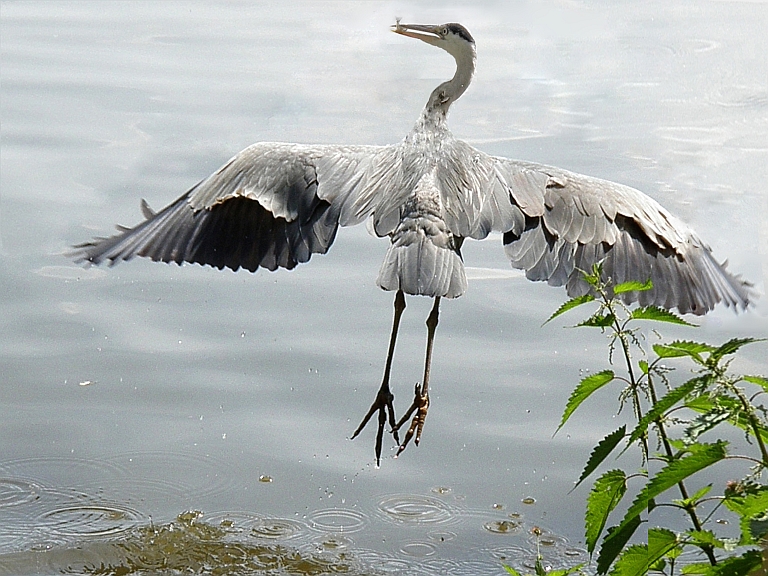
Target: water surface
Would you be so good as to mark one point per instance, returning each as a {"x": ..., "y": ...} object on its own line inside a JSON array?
[{"x": 133, "y": 395}]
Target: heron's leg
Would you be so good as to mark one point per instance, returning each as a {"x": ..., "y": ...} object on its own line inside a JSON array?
[
  {"x": 421, "y": 393},
  {"x": 384, "y": 397}
]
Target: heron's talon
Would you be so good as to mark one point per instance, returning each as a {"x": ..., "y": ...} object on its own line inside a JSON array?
[
  {"x": 420, "y": 406},
  {"x": 383, "y": 404}
]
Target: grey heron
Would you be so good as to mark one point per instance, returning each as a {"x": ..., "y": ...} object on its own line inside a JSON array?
[{"x": 276, "y": 204}]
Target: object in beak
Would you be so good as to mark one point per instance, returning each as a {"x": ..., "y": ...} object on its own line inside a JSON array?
[{"x": 431, "y": 34}]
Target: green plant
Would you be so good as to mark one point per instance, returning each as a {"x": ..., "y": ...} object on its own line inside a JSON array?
[
  {"x": 673, "y": 429},
  {"x": 539, "y": 569}
]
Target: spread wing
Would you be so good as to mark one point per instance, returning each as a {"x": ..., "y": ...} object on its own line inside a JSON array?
[
  {"x": 272, "y": 205},
  {"x": 572, "y": 221}
]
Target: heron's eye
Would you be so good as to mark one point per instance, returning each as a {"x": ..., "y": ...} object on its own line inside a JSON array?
[{"x": 444, "y": 32}]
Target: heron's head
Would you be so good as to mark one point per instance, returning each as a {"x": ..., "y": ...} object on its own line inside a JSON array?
[
  {"x": 458, "y": 42},
  {"x": 453, "y": 38}
]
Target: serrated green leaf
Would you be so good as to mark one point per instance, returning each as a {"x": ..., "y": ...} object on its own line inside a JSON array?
[
  {"x": 704, "y": 538},
  {"x": 705, "y": 422},
  {"x": 601, "y": 452},
  {"x": 671, "y": 474},
  {"x": 758, "y": 380},
  {"x": 748, "y": 507},
  {"x": 606, "y": 493},
  {"x": 731, "y": 347},
  {"x": 659, "y": 315},
  {"x": 738, "y": 418},
  {"x": 598, "y": 321},
  {"x": 660, "y": 407},
  {"x": 643, "y": 366},
  {"x": 632, "y": 562},
  {"x": 512, "y": 571},
  {"x": 594, "y": 277},
  {"x": 758, "y": 527},
  {"x": 565, "y": 571},
  {"x": 583, "y": 391},
  {"x": 660, "y": 542},
  {"x": 633, "y": 286},
  {"x": 695, "y": 568},
  {"x": 614, "y": 544},
  {"x": 683, "y": 348},
  {"x": 694, "y": 499},
  {"x": 570, "y": 305},
  {"x": 744, "y": 565}
]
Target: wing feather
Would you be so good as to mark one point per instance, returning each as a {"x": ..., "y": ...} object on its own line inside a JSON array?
[
  {"x": 634, "y": 237},
  {"x": 272, "y": 205}
]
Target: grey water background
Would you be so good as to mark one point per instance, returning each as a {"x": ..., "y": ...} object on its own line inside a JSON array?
[{"x": 129, "y": 395}]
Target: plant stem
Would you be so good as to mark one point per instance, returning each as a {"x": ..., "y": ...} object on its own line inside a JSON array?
[
  {"x": 754, "y": 424},
  {"x": 621, "y": 333},
  {"x": 689, "y": 508}
]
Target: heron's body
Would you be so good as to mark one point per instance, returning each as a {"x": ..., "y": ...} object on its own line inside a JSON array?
[{"x": 274, "y": 205}]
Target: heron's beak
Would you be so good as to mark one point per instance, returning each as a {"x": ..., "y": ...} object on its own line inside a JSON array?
[{"x": 431, "y": 33}]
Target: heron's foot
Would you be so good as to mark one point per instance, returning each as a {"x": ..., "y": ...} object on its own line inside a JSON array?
[
  {"x": 383, "y": 405},
  {"x": 420, "y": 406}
]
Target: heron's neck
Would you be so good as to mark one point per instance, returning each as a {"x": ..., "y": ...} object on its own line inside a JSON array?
[{"x": 448, "y": 92}]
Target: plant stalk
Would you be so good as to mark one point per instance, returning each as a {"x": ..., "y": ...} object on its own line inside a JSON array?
[{"x": 708, "y": 549}]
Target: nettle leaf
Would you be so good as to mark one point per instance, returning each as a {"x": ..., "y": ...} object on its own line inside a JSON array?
[
  {"x": 583, "y": 391},
  {"x": 737, "y": 418},
  {"x": 598, "y": 321},
  {"x": 694, "y": 500},
  {"x": 758, "y": 526},
  {"x": 659, "y": 315},
  {"x": 601, "y": 452},
  {"x": 594, "y": 278},
  {"x": 747, "y": 563},
  {"x": 512, "y": 571},
  {"x": 705, "y": 422},
  {"x": 696, "y": 568},
  {"x": 566, "y": 571},
  {"x": 758, "y": 380},
  {"x": 675, "y": 471},
  {"x": 751, "y": 509},
  {"x": 659, "y": 408},
  {"x": 660, "y": 542},
  {"x": 683, "y": 348},
  {"x": 633, "y": 286},
  {"x": 703, "y": 538},
  {"x": 633, "y": 561},
  {"x": 570, "y": 305},
  {"x": 606, "y": 493},
  {"x": 614, "y": 544},
  {"x": 731, "y": 347}
]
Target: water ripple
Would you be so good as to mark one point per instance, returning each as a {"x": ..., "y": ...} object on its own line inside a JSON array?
[
  {"x": 14, "y": 492},
  {"x": 89, "y": 520},
  {"x": 419, "y": 549},
  {"x": 83, "y": 473},
  {"x": 188, "y": 476},
  {"x": 338, "y": 520},
  {"x": 415, "y": 509},
  {"x": 234, "y": 521},
  {"x": 278, "y": 529}
]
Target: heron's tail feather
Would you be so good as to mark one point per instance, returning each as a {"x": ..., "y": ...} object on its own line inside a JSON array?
[{"x": 424, "y": 260}]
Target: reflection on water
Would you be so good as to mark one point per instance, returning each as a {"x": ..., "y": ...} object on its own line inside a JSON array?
[
  {"x": 133, "y": 393},
  {"x": 49, "y": 530}
]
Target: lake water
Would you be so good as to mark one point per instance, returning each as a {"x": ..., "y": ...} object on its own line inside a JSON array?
[{"x": 133, "y": 396}]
